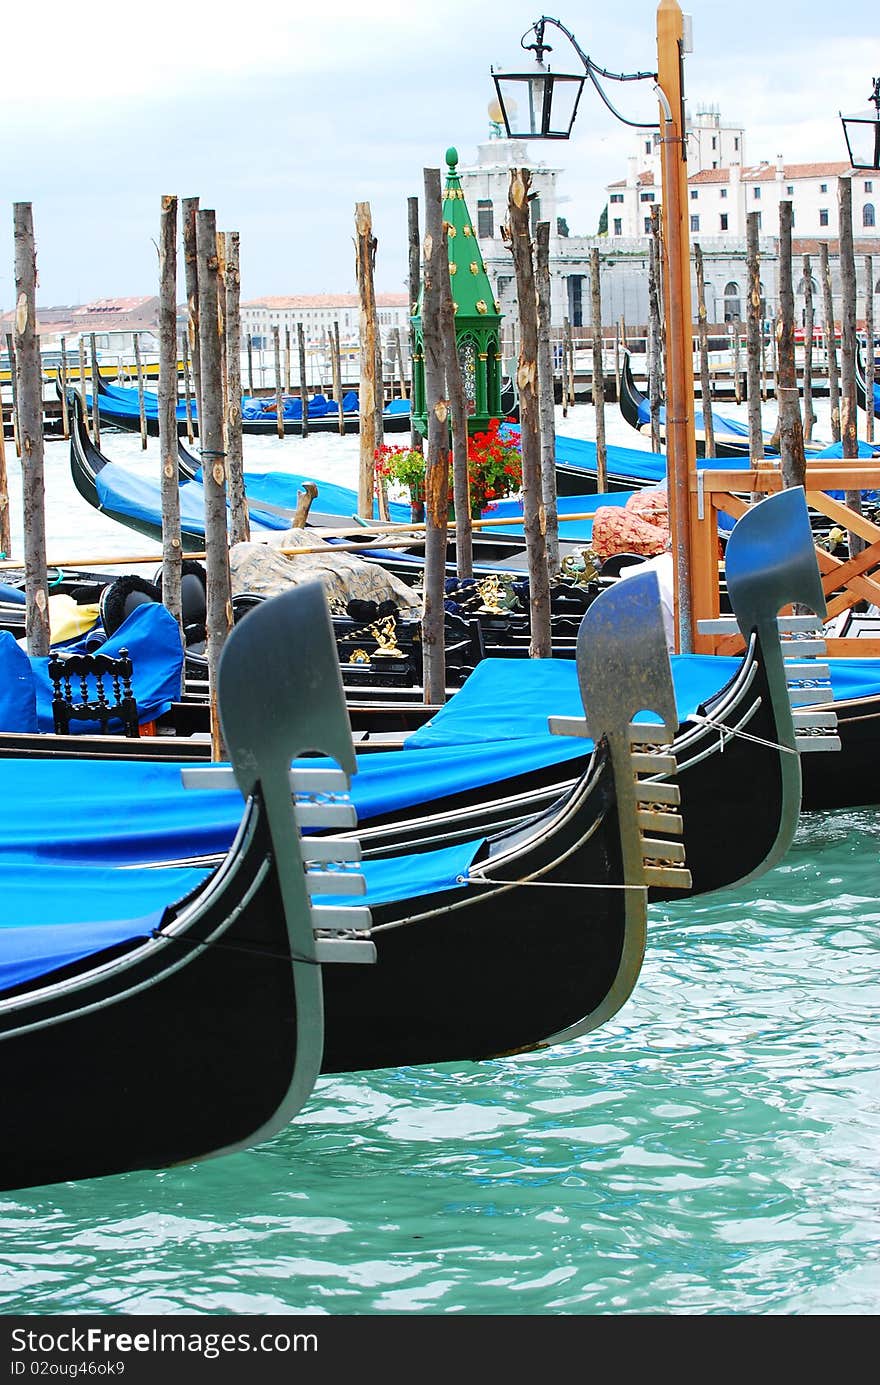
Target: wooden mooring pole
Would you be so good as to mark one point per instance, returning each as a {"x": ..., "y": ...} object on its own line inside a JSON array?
[
  {"x": 279, "y": 401},
  {"x": 830, "y": 340},
  {"x": 546, "y": 396},
  {"x": 239, "y": 517},
  {"x": 809, "y": 323},
  {"x": 435, "y": 266},
  {"x": 517, "y": 234},
  {"x": 189, "y": 209},
  {"x": 655, "y": 330},
  {"x": 187, "y": 385},
  {"x": 172, "y": 551},
  {"x": 416, "y": 441},
  {"x": 336, "y": 369},
  {"x": 789, "y": 429},
  {"x": 754, "y": 341},
  {"x": 96, "y": 410},
  {"x": 703, "y": 333},
  {"x": 365, "y": 259},
  {"x": 16, "y": 422},
  {"x": 142, "y": 413},
  {"x": 870, "y": 368},
  {"x": 303, "y": 382},
  {"x": 65, "y": 414},
  {"x": 599, "y": 373},
  {"x": 82, "y": 383},
  {"x": 219, "y": 597},
  {"x": 848, "y": 403},
  {"x": 29, "y": 396}
]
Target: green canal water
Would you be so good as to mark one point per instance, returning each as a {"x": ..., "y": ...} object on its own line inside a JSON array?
[{"x": 712, "y": 1150}]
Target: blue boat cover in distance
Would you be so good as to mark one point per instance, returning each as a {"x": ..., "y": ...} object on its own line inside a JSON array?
[
  {"x": 51, "y": 918},
  {"x": 152, "y": 637},
  {"x": 14, "y": 595},
  {"x": 18, "y": 692}
]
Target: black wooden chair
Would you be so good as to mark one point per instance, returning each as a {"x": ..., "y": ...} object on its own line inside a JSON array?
[{"x": 104, "y": 693}]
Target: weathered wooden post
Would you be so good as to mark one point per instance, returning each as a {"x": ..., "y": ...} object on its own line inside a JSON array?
[
  {"x": 809, "y": 322},
  {"x": 303, "y": 382},
  {"x": 189, "y": 208},
  {"x": 379, "y": 397},
  {"x": 517, "y": 234},
  {"x": 546, "y": 396},
  {"x": 82, "y": 383},
  {"x": 96, "y": 411},
  {"x": 187, "y": 385},
  {"x": 401, "y": 361},
  {"x": 414, "y": 284},
  {"x": 288, "y": 378},
  {"x": 250, "y": 361},
  {"x": 221, "y": 327},
  {"x": 567, "y": 367},
  {"x": 599, "y": 373},
  {"x": 848, "y": 403},
  {"x": 140, "y": 388},
  {"x": 219, "y": 598},
  {"x": 279, "y": 400},
  {"x": 703, "y": 332},
  {"x": 336, "y": 368},
  {"x": 435, "y": 267},
  {"x": 737, "y": 362},
  {"x": 240, "y": 520},
  {"x": 29, "y": 396},
  {"x": 172, "y": 552},
  {"x": 655, "y": 330},
  {"x": 754, "y": 340},
  {"x": 461, "y": 498},
  {"x": 365, "y": 260},
  {"x": 870, "y": 369},
  {"x": 789, "y": 428},
  {"x": 65, "y": 408},
  {"x": 830, "y": 340},
  {"x": 16, "y": 421}
]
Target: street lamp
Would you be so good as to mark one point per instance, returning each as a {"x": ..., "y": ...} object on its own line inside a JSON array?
[
  {"x": 862, "y": 133},
  {"x": 549, "y": 102}
]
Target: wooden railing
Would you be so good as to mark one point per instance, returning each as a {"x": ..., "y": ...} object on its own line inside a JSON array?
[{"x": 845, "y": 582}]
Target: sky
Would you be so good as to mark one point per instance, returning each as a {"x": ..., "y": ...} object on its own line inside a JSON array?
[{"x": 282, "y": 117}]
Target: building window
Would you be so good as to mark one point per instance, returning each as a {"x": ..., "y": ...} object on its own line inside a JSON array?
[
  {"x": 868, "y": 214},
  {"x": 714, "y": 142},
  {"x": 789, "y": 189},
  {"x": 647, "y": 146},
  {"x": 723, "y": 220},
  {"x": 576, "y": 300},
  {"x": 695, "y": 223},
  {"x": 869, "y": 186},
  {"x": 723, "y": 191},
  {"x": 647, "y": 225},
  {"x": 736, "y": 142},
  {"x": 823, "y": 216},
  {"x": 757, "y": 216},
  {"x": 756, "y": 194},
  {"x": 732, "y": 306},
  {"x": 616, "y": 197},
  {"x": 694, "y": 194},
  {"x": 823, "y": 187},
  {"x": 618, "y": 226},
  {"x": 485, "y": 219},
  {"x": 535, "y": 213},
  {"x": 647, "y": 196}
]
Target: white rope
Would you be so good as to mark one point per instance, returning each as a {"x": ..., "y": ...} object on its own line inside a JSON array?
[{"x": 728, "y": 732}]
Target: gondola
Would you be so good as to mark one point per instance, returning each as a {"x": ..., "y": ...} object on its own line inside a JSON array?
[
  {"x": 454, "y": 781},
  {"x": 203, "y": 1026},
  {"x": 118, "y": 406},
  {"x": 731, "y": 437}
]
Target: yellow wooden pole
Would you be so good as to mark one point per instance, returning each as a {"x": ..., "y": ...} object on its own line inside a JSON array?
[{"x": 681, "y": 447}]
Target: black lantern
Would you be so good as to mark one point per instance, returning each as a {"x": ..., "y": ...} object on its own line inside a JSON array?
[
  {"x": 862, "y": 133},
  {"x": 538, "y": 103}
]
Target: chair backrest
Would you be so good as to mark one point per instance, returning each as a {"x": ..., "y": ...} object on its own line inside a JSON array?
[{"x": 104, "y": 693}]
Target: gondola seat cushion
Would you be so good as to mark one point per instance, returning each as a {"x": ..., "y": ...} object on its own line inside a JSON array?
[{"x": 18, "y": 690}]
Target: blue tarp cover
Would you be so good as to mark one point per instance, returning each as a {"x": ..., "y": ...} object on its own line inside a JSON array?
[
  {"x": 151, "y": 636},
  {"x": 50, "y": 918}
]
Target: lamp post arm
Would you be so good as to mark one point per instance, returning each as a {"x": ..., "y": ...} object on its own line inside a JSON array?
[{"x": 538, "y": 28}]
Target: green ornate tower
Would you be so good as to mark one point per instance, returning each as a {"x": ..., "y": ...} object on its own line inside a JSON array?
[{"x": 477, "y": 319}]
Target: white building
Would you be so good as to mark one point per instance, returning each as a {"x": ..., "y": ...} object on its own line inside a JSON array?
[{"x": 318, "y": 313}]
